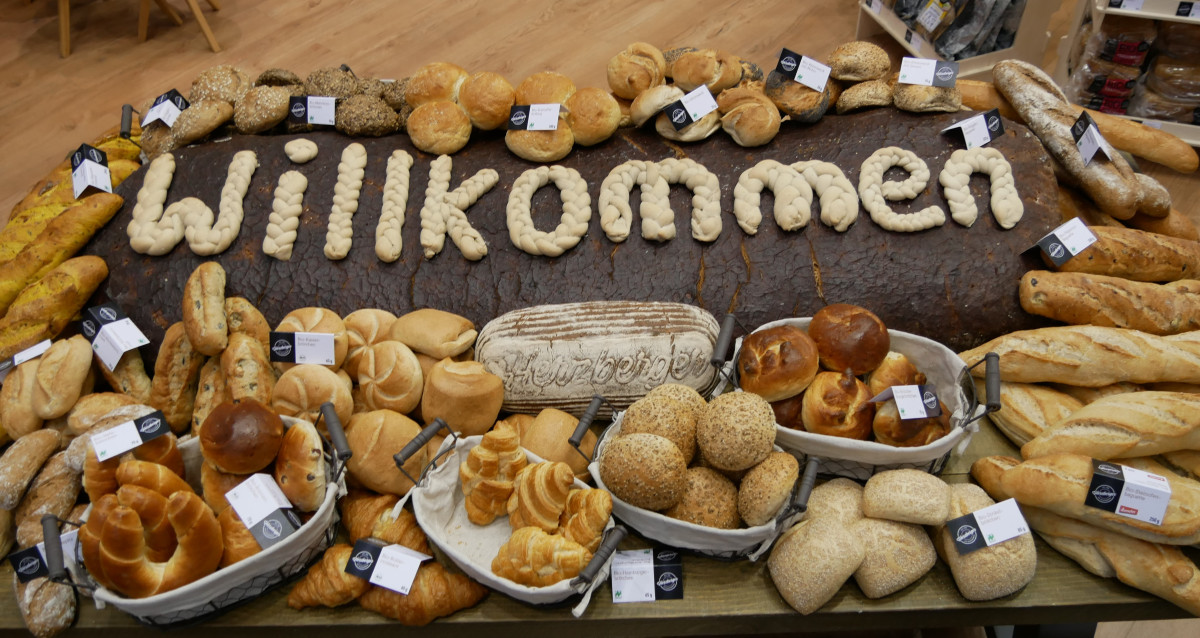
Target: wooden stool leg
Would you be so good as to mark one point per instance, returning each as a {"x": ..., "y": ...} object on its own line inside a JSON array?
[
  {"x": 214, "y": 5},
  {"x": 208, "y": 34},
  {"x": 143, "y": 20},
  {"x": 64, "y": 27},
  {"x": 170, "y": 11}
]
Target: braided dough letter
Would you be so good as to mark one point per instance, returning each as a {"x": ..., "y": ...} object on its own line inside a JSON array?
[
  {"x": 839, "y": 200},
  {"x": 285, "y": 215},
  {"x": 793, "y": 196},
  {"x": 873, "y": 191},
  {"x": 388, "y": 238},
  {"x": 151, "y": 232},
  {"x": 616, "y": 217},
  {"x": 577, "y": 211},
  {"x": 204, "y": 236},
  {"x": 706, "y": 196},
  {"x": 444, "y": 212},
  {"x": 345, "y": 201},
  {"x": 955, "y": 179}
]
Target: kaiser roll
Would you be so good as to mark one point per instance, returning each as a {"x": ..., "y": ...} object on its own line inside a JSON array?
[
  {"x": 390, "y": 377},
  {"x": 464, "y": 395},
  {"x": 302, "y": 389},
  {"x": 849, "y": 338},
  {"x": 736, "y": 431},
  {"x": 644, "y": 470},
  {"x": 241, "y": 437},
  {"x": 777, "y": 363},
  {"x": 365, "y": 327},
  {"x": 838, "y": 404}
]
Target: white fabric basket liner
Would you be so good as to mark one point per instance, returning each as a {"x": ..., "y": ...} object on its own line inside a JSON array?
[
  {"x": 438, "y": 504},
  {"x": 748, "y": 542},
  {"x": 245, "y": 579},
  {"x": 942, "y": 367}
]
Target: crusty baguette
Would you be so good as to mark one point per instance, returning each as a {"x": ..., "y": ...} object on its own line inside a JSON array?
[
  {"x": 113, "y": 145},
  {"x": 45, "y": 307},
  {"x": 1138, "y": 255},
  {"x": 1124, "y": 426},
  {"x": 978, "y": 95},
  {"x": 1175, "y": 224},
  {"x": 63, "y": 236},
  {"x": 1186, "y": 460},
  {"x": 1100, "y": 300},
  {"x": 1060, "y": 483},
  {"x": 1088, "y": 395},
  {"x": 1073, "y": 203},
  {"x": 53, "y": 492},
  {"x": 1091, "y": 356},
  {"x": 1028, "y": 409}
]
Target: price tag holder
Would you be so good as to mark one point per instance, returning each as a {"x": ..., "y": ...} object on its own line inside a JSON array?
[
  {"x": 30, "y": 563},
  {"x": 303, "y": 347},
  {"x": 980, "y": 129},
  {"x": 912, "y": 38},
  {"x": 1188, "y": 10},
  {"x": 312, "y": 109},
  {"x": 166, "y": 108},
  {"x": 1128, "y": 5},
  {"x": 1128, "y": 492},
  {"x": 111, "y": 332},
  {"x": 391, "y": 566},
  {"x": 912, "y": 401},
  {"x": 27, "y": 354},
  {"x": 691, "y": 109},
  {"x": 1087, "y": 138},
  {"x": 118, "y": 440},
  {"x": 89, "y": 169},
  {"x": 803, "y": 69},
  {"x": 534, "y": 117},
  {"x": 1066, "y": 241},
  {"x": 263, "y": 509},
  {"x": 987, "y": 527},
  {"x": 928, "y": 72},
  {"x": 645, "y": 575}
]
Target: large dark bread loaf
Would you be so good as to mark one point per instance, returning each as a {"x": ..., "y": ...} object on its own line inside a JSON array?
[{"x": 954, "y": 284}]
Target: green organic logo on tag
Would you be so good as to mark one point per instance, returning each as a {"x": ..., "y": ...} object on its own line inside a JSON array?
[{"x": 617, "y": 594}]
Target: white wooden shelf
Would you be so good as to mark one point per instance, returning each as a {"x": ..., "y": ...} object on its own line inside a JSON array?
[{"x": 1153, "y": 9}]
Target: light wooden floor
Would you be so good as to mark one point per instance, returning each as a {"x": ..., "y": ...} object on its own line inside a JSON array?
[{"x": 49, "y": 105}]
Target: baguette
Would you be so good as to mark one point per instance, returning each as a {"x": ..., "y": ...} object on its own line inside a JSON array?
[
  {"x": 53, "y": 492},
  {"x": 47, "y": 607},
  {"x": 1100, "y": 300},
  {"x": 62, "y": 375},
  {"x": 176, "y": 373},
  {"x": 1060, "y": 483},
  {"x": 21, "y": 463},
  {"x": 1028, "y": 409},
  {"x": 1088, "y": 395},
  {"x": 45, "y": 307},
  {"x": 1072, "y": 203},
  {"x": 1185, "y": 460},
  {"x": 1092, "y": 356},
  {"x": 1137, "y": 254},
  {"x": 113, "y": 145},
  {"x": 1175, "y": 224},
  {"x": 1124, "y": 426},
  {"x": 92, "y": 407},
  {"x": 63, "y": 236},
  {"x": 978, "y": 95}
]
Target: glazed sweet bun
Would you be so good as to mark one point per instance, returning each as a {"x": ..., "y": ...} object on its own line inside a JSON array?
[
  {"x": 435, "y": 82},
  {"x": 440, "y": 128},
  {"x": 895, "y": 369},
  {"x": 644, "y": 470},
  {"x": 849, "y": 338},
  {"x": 666, "y": 417},
  {"x": 302, "y": 389},
  {"x": 709, "y": 499},
  {"x": 320, "y": 320},
  {"x": 593, "y": 115},
  {"x": 777, "y": 363},
  {"x": 649, "y": 102},
  {"x": 541, "y": 146},
  {"x": 241, "y": 437},
  {"x": 548, "y": 436},
  {"x": 859, "y": 61},
  {"x": 890, "y": 429},
  {"x": 766, "y": 487},
  {"x": 464, "y": 395},
  {"x": 545, "y": 87},
  {"x": 390, "y": 377},
  {"x": 488, "y": 99},
  {"x": 787, "y": 412},
  {"x": 682, "y": 393},
  {"x": 736, "y": 431},
  {"x": 838, "y": 404}
]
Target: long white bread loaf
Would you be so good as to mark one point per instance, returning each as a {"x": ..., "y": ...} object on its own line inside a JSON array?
[
  {"x": 1088, "y": 395},
  {"x": 1092, "y": 356},
  {"x": 1124, "y": 426},
  {"x": 1186, "y": 460},
  {"x": 1137, "y": 255},
  {"x": 1060, "y": 483},
  {"x": 1100, "y": 300},
  {"x": 1159, "y": 569},
  {"x": 1028, "y": 409}
]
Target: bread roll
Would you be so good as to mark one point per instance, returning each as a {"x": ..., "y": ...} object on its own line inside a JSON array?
[
  {"x": 895, "y": 369},
  {"x": 890, "y": 429},
  {"x": 215, "y": 484},
  {"x": 1175, "y": 224},
  {"x": 709, "y": 499},
  {"x": 859, "y": 61},
  {"x": 53, "y": 491},
  {"x": 317, "y": 320},
  {"x": 21, "y": 463},
  {"x": 1099, "y": 300},
  {"x": 47, "y": 607},
  {"x": 439, "y": 128},
  {"x": 665, "y": 417},
  {"x": 651, "y": 101},
  {"x": 199, "y": 119},
  {"x": 437, "y": 81},
  {"x": 365, "y": 327},
  {"x": 176, "y": 374},
  {"x": 437, "y": 333},
  {"x": 895, "y": 555},
  {"x": 60, "y": 377},
  {"x": 545, "y": 87},
  {"x": 838, "y": 404},
  {"x": 246, "y": 371},
  {"x": 639, "y": 67},
  {"x": 799, "y": 102},
  {"x": 812, "y": 560},
  {"x": 301, "y": 390},
  {"x": 547, "y": 435},
  {"x": 129, "y": 376},
  {"x": 204, "y": 309},
  {"x": 242, "y": 437},
  {"x": 374, "y": 438},
  {"x": 300, "y": 467},
  {"x": 210, "y": 392},
  {"x": 44, "y": 308},
  {"x": 488, "y": 99},
  {"x": 908, "y": 496},
  {"x": 777, "y": 363},
  {"x": 89, "y": 408},
  {"x": 991, "y": 572},
  {"x": 748, "y": 116},
  {"x": 736, "y": 431},
  {"x": 919, "y": 98},
  {"x": 390, "y": 377},
  {"x": 718, "y": 70},
  {"x": 849, "y": 338},
  {"x": 789, "y": 413},
  {"x": 242, "y": 316},
  {"x": 463, "y": 394},
  {"x": 16, "y": 400},
  {"x": 767, "y": 487},
  {"x": 541, "y": 146},
  {"x": 593, "y": 116},
  {"x": 644, "y": 470}
]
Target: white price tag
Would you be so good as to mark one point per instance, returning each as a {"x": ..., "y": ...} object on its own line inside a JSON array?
[
  {"x": 812, "y": 74},
  {"x": 699, "y": 103},
  {"x": 1075, "y": 236},
  {"x": 543, "y": 117},
  {"x": 322, "y": 110},
  {"x": 115, "y": 339},
  {"x": 1132, "y": 5},
  {"x": 974, "y": 130},
  {"x": 1155, "y": 123},
  {"x": 256, "y": 498},
  {"x": 396, "y": 568},
  {"x": 1001, "y": 522},
  {"x": 932, "y": 16},
  {"x": 633, "y": 576},
  {"x": 68, "y": 541},
  {"x": 1088, "y": 144},
  {"x": 1145, "y": 496},
  {"x": 1193, "y": 10},
  {"x": 315, "y": 347},
  {"x": 91, "y": 174},
  {"x": 31, "y": 352},
  {"x": 917, "y": 70},
  {"x": 909, "y": 401},
  {"x": 116, "y": 441}
]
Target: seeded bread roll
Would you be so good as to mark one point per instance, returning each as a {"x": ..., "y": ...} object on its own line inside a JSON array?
[
  {"x": 435, "y": 82},
  {"x": 908, "y": 496},
  {"x": 839, "y": 498},
  {"x": 812, "y": 560},
  {"x": 593, "y": 116},
  {"x": 682, "y": 393},
  {"x": 865, "y": 95},
  {"x": 223, "y": 82},
  {"x": 644, "y": 470},
  {"x": 801, "y": 103},
  {"x": 488, "y": 99},
  {"x": 858, "y": 61},
  {"x": 199, "y": 119},
  {"x": 990, "y": 572},
  {"x": 665, "y": 417},
  {"x": 766, "y": 488},
  {"x": 895, "y": 556},
  {"x": 736, "y": 431},
  {"x": 919, "y": 98},
  {"x": 261, "y": 109},
  {"x": 709, "y": 499}
]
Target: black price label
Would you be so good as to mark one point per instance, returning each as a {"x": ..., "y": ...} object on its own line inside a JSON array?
[
  {"x": 277, "y": 526},
  {"x": 297, "y": 109},
  {"x": 1129, "y": 492},
  {"x": 1087, "y": 137},
  {"x": 678, "y": 115},
  {"x": 89, "y": 169},
  {"x": 28, "y": 564},
  {"x": 668, "y": 575},
  {"x": 166, "y": 108},
  {"x": 1066, "y": 241},
  {"x": 518, "y": 118},
  {"x": 986, "y": 527}
]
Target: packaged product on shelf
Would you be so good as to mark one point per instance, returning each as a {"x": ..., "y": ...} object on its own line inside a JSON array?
[
  {"x": 1175, "y": 78},
  {"x": 1122, "y": 40},
  {"x": 934, "y": 17},
  {"x": 977, "y": 28},
  {"x": 1096, "y": 77},
  {"x": 1149, "y": 103},
  {"x": 1179, "y": 40}
]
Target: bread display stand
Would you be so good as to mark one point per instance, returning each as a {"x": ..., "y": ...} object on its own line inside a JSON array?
[
  {"x": 859, "y": 460},
  {"x": 240, "y": 582},
  {"x": 438, "y": 504}
]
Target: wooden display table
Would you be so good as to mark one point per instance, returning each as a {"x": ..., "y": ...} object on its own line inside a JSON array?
[{"x": 719, "y": 597}]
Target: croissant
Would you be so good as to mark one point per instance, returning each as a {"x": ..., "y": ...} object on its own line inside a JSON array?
[
  {"x": 122, "y": 550},
  {"x": 100, "y": 477},
  {"x": 365, "y": 514},
  {"x": 151, "y": 508},
  {"x": 89, "y": 538},
  {"x": 487, "y": 474},
  {"x": 539, "y": 495},
  {"x": 585, "y": 516},
  {"x": 435, "y": 592},
  {"x": 151, "y": 476},
  {"x": 534, "y": 558},
  {"x": 327, "y": 584}
]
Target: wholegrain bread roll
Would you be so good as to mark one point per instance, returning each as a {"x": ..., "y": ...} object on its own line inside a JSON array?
[
  {"x": 908, "y": 496},
  {"x": 895, "y": 555},
  {"x": 644, "y": 470},
  {"x": 736, "y": 431},
  {"x": 812, "y": 560},
  {"x": 865, "y": 95},
  {"x": 61, "y": 374},
  {"x": 1101, "y": 300},
  {"x": 709, "y": 499},
  {"x": 839, "y": 498},
  {"x": 858, "y": 61},
  {"x": 991, "y": 572},
  {"x": 766, "y": 488},
  {"x": 665, "y": 417}
]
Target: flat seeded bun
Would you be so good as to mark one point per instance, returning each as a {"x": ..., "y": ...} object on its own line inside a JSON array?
[
  {"x": 908, "y": 496},
  {"x": 736, "y": 431},
  {"x": 682, "y": 393},
  {"x": 766, "y": 487},
  {"x": 710, "y": 500},
  {"x": 644, "y": 470},
  {"x": 666, "y": 417}
]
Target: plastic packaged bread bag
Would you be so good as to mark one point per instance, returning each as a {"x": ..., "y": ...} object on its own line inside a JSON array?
[
  {"x": 1096, "y": 77},
  {"x": 1175, "y": 79},
  {"x": 1179, "y": 40},
  {"x": 1151, "y": 104},
  {"x": 1122, "y": 40}
]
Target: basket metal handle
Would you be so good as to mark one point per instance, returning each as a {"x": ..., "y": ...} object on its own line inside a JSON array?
[
  {"x": 585, "y": 422},
  {"x": 419, "y": 441},
  {"x": 799, "y": 502},
  {"x": 724, "y": 340},
  {"x": 56, "y": 566},
  {"x": 612, "y": 538},
  {"x": 991, "y": 378},
  {"x": 337, "y": 437}
]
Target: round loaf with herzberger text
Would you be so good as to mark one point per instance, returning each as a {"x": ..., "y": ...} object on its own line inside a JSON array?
[{"x": 559, "y": 356}]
